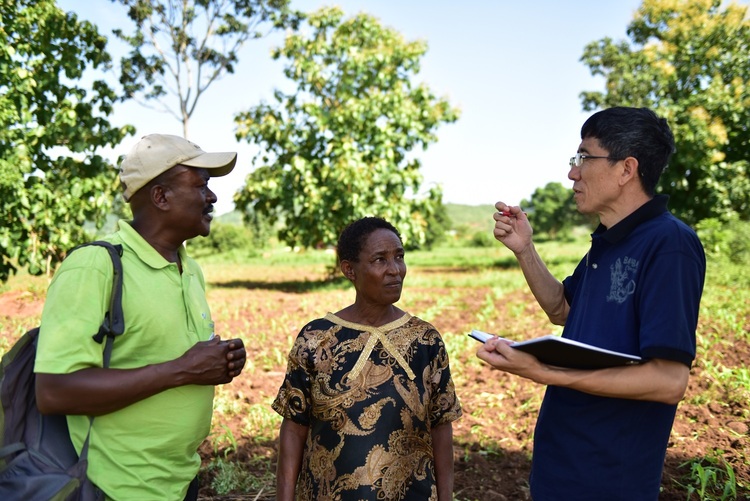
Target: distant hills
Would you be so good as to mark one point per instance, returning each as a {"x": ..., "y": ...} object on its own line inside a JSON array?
[
  {"x": 473, "y": 216},
  {"x": 234, "y": 217}
]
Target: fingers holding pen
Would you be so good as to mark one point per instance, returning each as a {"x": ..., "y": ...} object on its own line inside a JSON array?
[
  {"x": 504, "y": 219},
  {"x": 489, "y": 352},
  {"x": 507, "y": 211},
  {"x": 511, "y": 227}
]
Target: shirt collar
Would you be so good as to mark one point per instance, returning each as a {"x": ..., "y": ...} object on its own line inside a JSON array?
[
  {"x": 377, "y": 334},
  {"x": 142, "y": 248},
  {"x": 654, "y": 207}
]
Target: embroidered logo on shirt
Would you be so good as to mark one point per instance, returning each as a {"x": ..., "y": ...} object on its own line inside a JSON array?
[{"x": 622, "y": 285}]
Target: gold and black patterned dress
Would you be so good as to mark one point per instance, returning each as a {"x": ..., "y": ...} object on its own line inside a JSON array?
[{"x": 370, "y": 397}]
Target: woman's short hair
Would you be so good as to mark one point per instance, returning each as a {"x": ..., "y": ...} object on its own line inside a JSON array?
[{"x": 354, "y": 235}]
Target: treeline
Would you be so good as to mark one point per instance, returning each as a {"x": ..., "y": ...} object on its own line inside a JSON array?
[{"x": 340, "y": 143}]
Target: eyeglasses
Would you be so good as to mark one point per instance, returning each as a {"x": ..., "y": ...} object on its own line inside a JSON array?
[{"x": 577, "y": 160}]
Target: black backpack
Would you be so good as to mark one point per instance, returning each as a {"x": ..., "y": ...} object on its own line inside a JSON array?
[{"x": 37, "y": 459}]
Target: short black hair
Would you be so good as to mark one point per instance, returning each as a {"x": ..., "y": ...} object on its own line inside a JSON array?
[
  {"x": 634, "y": 132},
  {"x": 354, "y": 235}
]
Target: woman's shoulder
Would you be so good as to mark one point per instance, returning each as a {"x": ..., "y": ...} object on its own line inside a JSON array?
[
  {"x": 322, "y": 323},
  {"x": 416, "y": 321}
]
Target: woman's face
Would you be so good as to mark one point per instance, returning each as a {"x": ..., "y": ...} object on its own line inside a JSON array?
[{"x": 379, "y": 274}]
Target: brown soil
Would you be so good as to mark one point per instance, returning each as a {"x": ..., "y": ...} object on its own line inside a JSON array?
[{"x": 493, "y": 440}]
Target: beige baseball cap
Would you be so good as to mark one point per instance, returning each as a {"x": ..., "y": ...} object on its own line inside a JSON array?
[{"x": 157, "y": 153}]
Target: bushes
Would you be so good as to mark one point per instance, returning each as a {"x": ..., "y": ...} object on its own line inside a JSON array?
[
  {"x": 721, "y": 239},
  {"x": 483, "y": 239},
  {"x": 224, "y": 237},
  {"x": 726, "y": 240}
]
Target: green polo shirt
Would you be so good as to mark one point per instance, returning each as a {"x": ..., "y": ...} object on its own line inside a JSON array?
[{"x": 148, "y": 450}]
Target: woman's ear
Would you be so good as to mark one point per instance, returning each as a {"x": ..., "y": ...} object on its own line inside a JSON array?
[{"x": 347, "y": 269}]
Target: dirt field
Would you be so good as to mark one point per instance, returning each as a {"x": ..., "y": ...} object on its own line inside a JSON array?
[{"x": 493, "y": 439}]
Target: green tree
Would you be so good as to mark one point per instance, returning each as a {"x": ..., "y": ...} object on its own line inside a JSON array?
[
  {"x": 438, "y": 223},
  {"x": 224, "y": 237},
  {"x": 689, "y": 61},
  {"x": 180, "y": 48},
  {"x": 341, "y": 146},
  {"x": 51, "y": 179},
  {"x": 553, "y": 210}
]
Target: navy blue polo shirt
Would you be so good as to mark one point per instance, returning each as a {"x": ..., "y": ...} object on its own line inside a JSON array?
[{"x": 637, "y": 291}]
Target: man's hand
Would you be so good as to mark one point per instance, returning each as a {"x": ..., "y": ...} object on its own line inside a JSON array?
[
  {"x": 512, "y": 227},
  {"x": 236, "y": 357},
  {"x": 213, "y": 362},
  {"x": 656, "y": 380},
  {"x": 96, "y": 391},
  {"x": 498, "y": 353}
]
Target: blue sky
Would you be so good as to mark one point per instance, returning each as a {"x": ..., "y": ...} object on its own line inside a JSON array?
[{"x": 511, "y": 67}]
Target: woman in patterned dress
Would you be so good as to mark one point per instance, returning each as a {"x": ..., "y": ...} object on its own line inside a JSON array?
[{"x": 368, "y": 400}]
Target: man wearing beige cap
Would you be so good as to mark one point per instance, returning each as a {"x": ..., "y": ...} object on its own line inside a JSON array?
[{"x": 153, "y": 406}]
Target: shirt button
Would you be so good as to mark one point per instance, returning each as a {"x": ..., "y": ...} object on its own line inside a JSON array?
[{"x": 595, "y": 266}]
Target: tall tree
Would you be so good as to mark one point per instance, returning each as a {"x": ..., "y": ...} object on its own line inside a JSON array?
[
  {"x": 690, "y": 61},
  {"x": 51, "y": 178},
  {"x": 181, "y": 47},
  {"x": 341, "y": 146}
]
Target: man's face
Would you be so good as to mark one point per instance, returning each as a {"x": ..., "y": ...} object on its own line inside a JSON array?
[
  {"x": 595, "y": 184},
  {"x": 191, "y": 201}
]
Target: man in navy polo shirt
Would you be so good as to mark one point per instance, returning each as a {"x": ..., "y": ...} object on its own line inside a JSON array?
[{"x": 602, "y": 434}]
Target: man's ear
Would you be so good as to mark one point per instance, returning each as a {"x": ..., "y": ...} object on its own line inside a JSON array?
[
  {"x": 159, "y": 196},
  {"x": 347, "y": 269},
  {"x": 630, "y": 170}
]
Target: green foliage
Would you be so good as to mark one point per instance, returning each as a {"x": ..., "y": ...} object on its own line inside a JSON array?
[
  {"x": 437, "y": 224},
  {"x": 690, "y": 62},
  {"x": 223, "y": 238},
  {"x": 552, "y": 211},
  {"x": 225, "y": 441},
  {"x": 339, "y": 147},
  {"x": 51, "y": 179},
  {"x": 710, "y": 479},
  {"x": 483, "y": 239},
  {"x": 169, "y": 60},
  {"x": 475, "y": 216},
  {"x": 232, "y": 477},
  {"x": 728, "y": 240},
  {"x": 229, "y": 475}
]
